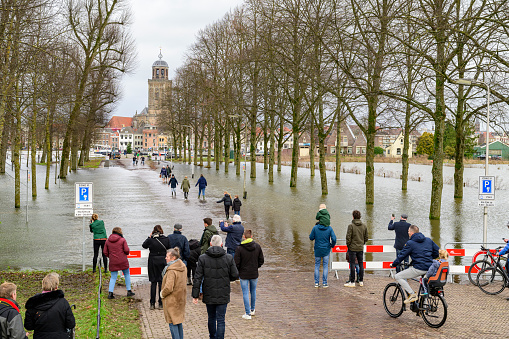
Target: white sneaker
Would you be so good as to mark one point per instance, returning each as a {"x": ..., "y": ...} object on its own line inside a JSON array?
[
  {"x": 349, "y": 284},
  {"x": 253, "y": 312},
  {"x": 411, "y": 298},
  {"x": 361, "y": 283},
  {"x": 246, "y": 316}
]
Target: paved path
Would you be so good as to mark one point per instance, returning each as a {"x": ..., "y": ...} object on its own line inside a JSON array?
[{"x": 289, "y": 306}]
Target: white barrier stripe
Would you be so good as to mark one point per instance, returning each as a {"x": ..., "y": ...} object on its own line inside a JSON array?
[{"x": 378, "y": 265}]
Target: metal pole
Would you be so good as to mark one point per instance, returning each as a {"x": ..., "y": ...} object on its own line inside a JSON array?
[
  {"x": 83, "y": 249},
  {"x": 28, "y": 179},
  {"x": 486, "y": 168},
  {"x": 245, "y": 159}
]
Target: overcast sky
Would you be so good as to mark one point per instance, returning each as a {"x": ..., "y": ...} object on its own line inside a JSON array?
[{"x": 171, "y": 25}]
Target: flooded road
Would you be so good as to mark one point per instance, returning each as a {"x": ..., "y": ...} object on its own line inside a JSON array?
[{"x": 281, "y": 217}]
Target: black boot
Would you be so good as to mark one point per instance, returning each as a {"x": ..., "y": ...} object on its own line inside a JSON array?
[
  {"x": 111, "y": 296},
  {"x": 130, "y": 293},
  {"x": 160, "y": 304},
  {"x": 152, "y": 306}
]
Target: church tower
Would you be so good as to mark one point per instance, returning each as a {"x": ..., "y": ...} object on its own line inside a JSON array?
[{"x": 158, "y": 87}]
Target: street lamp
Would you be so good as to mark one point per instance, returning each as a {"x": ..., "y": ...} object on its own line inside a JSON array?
[
  {"x": 192, "y": 147},
  {"x": 237, "y": 116},
  {"x": 470, "y": 82}
]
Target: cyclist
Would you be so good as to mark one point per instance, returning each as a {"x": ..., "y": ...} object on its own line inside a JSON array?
[
  {"x": 504, "y": 251},
  {"x": 422, "y": 250}
]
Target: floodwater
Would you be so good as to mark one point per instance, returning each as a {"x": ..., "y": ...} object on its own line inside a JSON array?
[{"x": 281, "y": 217}]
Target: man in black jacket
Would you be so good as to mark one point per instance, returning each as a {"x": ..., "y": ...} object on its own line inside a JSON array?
[
  {"x": 248, "y": 259},
  {"x": 11, "y": 324},
  {"x": 177, "y": 239},
  {"x": 401, "y": 229},
  {"x": 216, "y": 268}
]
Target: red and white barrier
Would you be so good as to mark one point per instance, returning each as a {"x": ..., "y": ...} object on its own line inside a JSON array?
[
  {"x": 367, "y": 249},
  {"x": 138, "y": 254}
]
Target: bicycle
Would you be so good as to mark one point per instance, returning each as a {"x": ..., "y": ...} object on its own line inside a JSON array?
[
  {"x": 493, "y": 279},
  {"x": 432, "y": 307},
  {"x": 479, "y": 265}
]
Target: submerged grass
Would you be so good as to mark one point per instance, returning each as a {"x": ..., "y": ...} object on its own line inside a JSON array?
[{"x": 119, "y": 317}]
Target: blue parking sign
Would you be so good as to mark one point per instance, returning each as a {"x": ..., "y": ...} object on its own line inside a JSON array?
[{"x": 84, "y": 194}]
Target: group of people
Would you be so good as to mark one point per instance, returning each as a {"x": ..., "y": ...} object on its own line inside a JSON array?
[
  {"x": 168, "y": 177},
  {"x": 137, "y": 157},
  {"x": 230, "y": 203}
]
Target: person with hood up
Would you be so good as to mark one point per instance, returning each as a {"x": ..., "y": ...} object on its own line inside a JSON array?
[
  {"x": 325, "y": 239},
  {"x": 356, "y": 237},
  {"x": 201, "y": 183},
  {"x": 97, "y": 227},
  {"x": 234, "y": 234},
  {"x": 248, "y": 259},
  {"x": 323, "y": 216},
  {"x": 227, "y": 200},
  {"x": 185, "y": 186},
  {"x": 422, "y": 250},
  {"x": 48, "y": 313},
  {"x": 117, "y": 250}
]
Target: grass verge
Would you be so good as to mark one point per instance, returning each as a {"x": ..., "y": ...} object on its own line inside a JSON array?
[
  {"x": 119, "y": 317},
  {"x": 94, "y": 163}
]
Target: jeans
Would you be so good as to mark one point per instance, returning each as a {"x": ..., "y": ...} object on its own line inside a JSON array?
[
  {"x": 236, "y": 212},
  {"x": 249, "y": 286},
  {"x": 174, "y": 190},
  {"x": 406, "y": 261},
  {"x": 230, "y": 251},
  {"x": 99, "y": 244},
  {"x": 201, "y": 191},
  {"x": 409, "y": 273},
  {"x": 318, "y": 260},
  {"x": 177, "y": 331},
  {"x": 359, "y": 255},
  {"x": 113, "y": 279},
  {"x": 153, "y": 291},
  {"x": 216, "y": 322}
]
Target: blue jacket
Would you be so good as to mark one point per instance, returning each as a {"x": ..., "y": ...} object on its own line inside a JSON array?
[
  {"x": 401, "y": 229},
  {"x": 173, "y": 182},
  {"x": 422, "y": 250},
  {"x": 177, "y": 239},
  {"x": 504, "y": 250},
  {"x": 235, "y": 232},
  {"x": 201, "y": 182},
  {"x": 324, "y": 238}
]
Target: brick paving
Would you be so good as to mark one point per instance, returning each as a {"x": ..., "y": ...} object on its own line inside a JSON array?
[{"x": 288, "y": 305}]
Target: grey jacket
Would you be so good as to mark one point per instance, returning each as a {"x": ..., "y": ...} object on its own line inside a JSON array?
[{"x": 11, "y": 323}]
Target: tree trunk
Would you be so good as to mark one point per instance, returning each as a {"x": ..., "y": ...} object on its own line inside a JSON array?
[
  {"x": 338, "y": 147},
  {"x": 370, "y": 151},
  {"x": 226, "y": 147},
  {"x": 280, "y": 141},
  {"x": 33, "y": 153},
  {"x": 312, "y": 146},
  {"x": 295, "y": 159}
]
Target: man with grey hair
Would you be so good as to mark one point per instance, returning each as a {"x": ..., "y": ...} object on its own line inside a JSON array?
[
  {"x": 401, "y": 229},
  {"x": 234, "y": 233},
  {"x": 216, "y": 269}
]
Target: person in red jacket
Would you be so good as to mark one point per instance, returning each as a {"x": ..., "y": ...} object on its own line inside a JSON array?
[{"x": 116, "y": 250}]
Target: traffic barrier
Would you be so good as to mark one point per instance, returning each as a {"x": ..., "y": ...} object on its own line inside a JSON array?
[{"x": 138, "y": 254}]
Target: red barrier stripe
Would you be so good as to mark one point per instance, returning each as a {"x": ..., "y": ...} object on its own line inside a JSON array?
[
  {"x": 135, "y": 270},
  {"x": 456, "y": 252},
  {"x": 374, "y": 248},
  {"x": 387, "y": 264},
  {"x": 134, "y": 254},
  {"x": 340, "y": 249}
]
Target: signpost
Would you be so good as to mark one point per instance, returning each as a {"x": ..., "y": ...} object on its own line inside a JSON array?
[
  {"x": 486, "y": 198},
  {"x": 83, "y": 207}
]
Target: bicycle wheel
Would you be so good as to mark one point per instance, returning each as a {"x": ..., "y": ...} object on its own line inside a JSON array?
[
  {"x": 475, "y": 268},
  {"x": 434, "y": 310},
  {"x": 393, "y": 300},
  {"x": 491, "y": 280}
]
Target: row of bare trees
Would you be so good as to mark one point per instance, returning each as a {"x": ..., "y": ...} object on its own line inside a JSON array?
[
  {"x": 61, "y": 63},
  {"x": 274, "y": 69}
]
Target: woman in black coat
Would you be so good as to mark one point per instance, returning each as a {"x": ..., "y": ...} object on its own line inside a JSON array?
[
  {"x": 227, "y": 200},
  {"x": 158, "y": 244},
  {"x": 48, "y": 313}
]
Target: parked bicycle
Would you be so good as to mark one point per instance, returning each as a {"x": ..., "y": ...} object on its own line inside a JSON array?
[
  {"x": 432, "y": 307},
  {"x": 481, "y": 264},
  {"x": 492, "y": 279}
]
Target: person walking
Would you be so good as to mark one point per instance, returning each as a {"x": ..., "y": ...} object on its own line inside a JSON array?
[
  {"x": 134, "y": 159},
  {"x": 248, "y": 259},
  {"x": 177, "y": 239},
  {"x": 173, "y": 184},
  {"x": 207, "y": 234},
  {"x": 227, "y": 200},
  {"x": 142, "y": 160},
  {"x": 201, "y": 183},
  {"x": 236, "y": 205},
  {"x": 216, "y": 269},
  {"x": 162, "y": 174},
  {"x": 185, "y": 186},
  {"x": 168, "y": 169},
  {"x": 157, "y": 244},
  {"x": 234, "y": 233},
  {"x": 174, "y": 293},
  {"x": 325, "y": 239},
  {"x": 117, "y": 250},
  {"x": 11, "y": 323},
  {"x": 356, "y": 237},
  {"x": 97, "y": 228},
  {"x": 401, "y": 229},
  {"x": 194, "y": 247},
  {"x": 48, "y": 313}
]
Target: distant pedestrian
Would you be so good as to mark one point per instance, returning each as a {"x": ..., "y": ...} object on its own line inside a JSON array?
[
  {"x": 216, "y": 269},
  {"x": 134, "y": 160},
  {"x": 174, "y": 293},
  {"x": 158, "y": 244},
  {"x": 137, "y": 158},
  {"x": 227, "y": 200},
  {"x": 356, "y": 237},
  {"x": 401, "y": 229},
  {"x": 207, "y": 234},
  {"x": 325, "y": 239},
  {"x": 185, "y": 186},
  {"x": 173, "y": 184},
  {"x": 235, "y": 232},
  {"x": 323, "y": 216},
  {"x": 117, "y": 250},
  {"x": 11, "y": 323},
  {"x": 162, "y": 174},
  {"x": 248, "y": 259},
  {"x": 201, "y": 183},
  {"x": 168, "y": 170},
  {"x": 142, "y": 160},
  {"x": 236, "y": 205},
  {"x": 97, "y": 228},
  {"x": 177, "y": 239},
  {"x": 195, "y": 250},
  {"x": 49, "y": 314}
]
